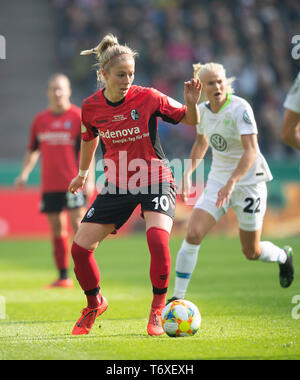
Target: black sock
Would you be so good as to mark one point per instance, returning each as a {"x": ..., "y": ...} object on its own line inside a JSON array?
[
  {"x": 63, "y": 274},
  {"x": 92, "y": 292}
]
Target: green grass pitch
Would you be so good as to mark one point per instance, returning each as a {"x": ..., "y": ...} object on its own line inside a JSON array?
[{"x": 245, "y": 312}]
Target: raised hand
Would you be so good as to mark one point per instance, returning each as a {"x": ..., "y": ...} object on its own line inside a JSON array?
[{"x": 192, "y": 91}]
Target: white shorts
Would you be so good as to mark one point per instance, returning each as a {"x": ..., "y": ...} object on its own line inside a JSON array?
[{"x": 249, "y": 203}]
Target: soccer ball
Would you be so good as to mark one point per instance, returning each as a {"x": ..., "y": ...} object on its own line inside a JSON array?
[{"x": 181, "y": 318}]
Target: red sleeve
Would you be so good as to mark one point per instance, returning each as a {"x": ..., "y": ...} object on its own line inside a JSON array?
[
  {"x": 33, "y": 143},
  {"x": 88, "y": 132},
  {"x": 169, "y": 109}
]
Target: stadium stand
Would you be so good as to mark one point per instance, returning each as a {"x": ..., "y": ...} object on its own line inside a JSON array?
[{"x": 251, "y": 38}]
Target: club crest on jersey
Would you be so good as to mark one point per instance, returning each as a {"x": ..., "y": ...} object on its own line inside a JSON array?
[
  {"x": 218, "y": 142},
  {"x": 68, "y": 124},
  {"x": 246, "y": 117},
  {"x": 90, "y": 213},
  {"x": 134, "y": 114}
]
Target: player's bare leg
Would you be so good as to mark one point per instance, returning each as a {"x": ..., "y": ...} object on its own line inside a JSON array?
[
  {"x": 76, "y": 216},
  {"x": 200, "y": 223},
  {"x": 255, "y": 249},
  {"x": 250, "y": 242}
]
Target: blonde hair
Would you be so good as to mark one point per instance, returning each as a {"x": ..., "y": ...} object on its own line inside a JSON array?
[
  {"x": 200, "y": 69},
  {"x": 108, "y": 52}
]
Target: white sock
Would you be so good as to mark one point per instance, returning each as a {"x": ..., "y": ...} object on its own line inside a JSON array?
[
  {"x": 185, "y": 264},
  {"x": 271, "y": 253}
]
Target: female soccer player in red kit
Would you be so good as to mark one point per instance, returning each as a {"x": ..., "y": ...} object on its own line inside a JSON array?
[
  {"x": 123, "y": 117},
  {"x": 55, "y": 133}
]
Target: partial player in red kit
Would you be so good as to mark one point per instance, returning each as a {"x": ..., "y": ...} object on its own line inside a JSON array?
[
  {"x": 123, "y": 117},
  {"x": 55, "y": 134}
]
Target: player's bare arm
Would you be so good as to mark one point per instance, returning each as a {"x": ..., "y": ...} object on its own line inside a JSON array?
[
  {"x": 90, "y": 184},
  {"x": 249, "y": 143},
  {"x": 87, "y": 153},
  {"x": 30, "y": 159},
  {"x": 290, "y": 133},
  {"x": 198, "y": 152},
  {"x": 192, "y": 93}
]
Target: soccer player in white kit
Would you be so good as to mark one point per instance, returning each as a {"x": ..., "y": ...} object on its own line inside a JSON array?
[
  {"x": 290, "y": 133},
  {"x": 237, "y": 179}
]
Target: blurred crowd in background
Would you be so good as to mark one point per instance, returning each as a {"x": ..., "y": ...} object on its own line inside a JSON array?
[{"x": 251, "y": 38}]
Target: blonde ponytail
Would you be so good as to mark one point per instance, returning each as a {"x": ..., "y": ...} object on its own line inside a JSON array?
[
  {"x": 88, "y": 52},
  {"x": 107, "y": 51}
]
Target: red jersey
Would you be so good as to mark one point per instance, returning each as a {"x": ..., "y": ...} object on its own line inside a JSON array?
[
  {"x": 58, "y": 139},
  {"x": 129, "y": 135}
]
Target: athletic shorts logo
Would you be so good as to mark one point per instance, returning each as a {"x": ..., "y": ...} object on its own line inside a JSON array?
[
  {"x": 134, "y": 114},
  {"x": 90, "y": 213},
  {"x": 218, "y": 142},
  {"x": 246, "y": 117}
]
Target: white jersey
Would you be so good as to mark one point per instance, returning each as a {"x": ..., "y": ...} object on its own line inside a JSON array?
[
  {"x": 223, "y": 131},
  {"x": 292, "y": 101}
]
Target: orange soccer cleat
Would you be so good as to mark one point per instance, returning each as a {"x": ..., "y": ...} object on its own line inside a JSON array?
[
  {"x": 154, "y": 325},
  {"x": 61, "y": 283},
  {"x": 88, "y": 316}
]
